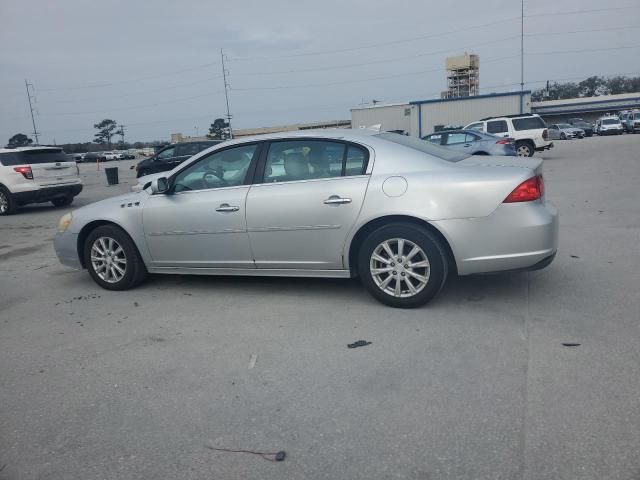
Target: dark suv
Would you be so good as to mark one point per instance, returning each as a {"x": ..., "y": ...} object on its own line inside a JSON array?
[{"x": 171, "y": 156}]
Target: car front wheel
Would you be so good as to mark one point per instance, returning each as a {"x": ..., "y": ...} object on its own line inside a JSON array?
[
  {"x": 112, "y": 259},
  {"x": 402, "y": 265}
]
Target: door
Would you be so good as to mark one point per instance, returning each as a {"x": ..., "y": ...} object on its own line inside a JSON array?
[
  {"x": 460, "y": 141},
  {"x": 309, "y": 198},
  {"x": 200, "y": 223}
]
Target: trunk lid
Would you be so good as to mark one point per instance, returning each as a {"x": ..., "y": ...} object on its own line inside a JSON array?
[{"x": 531, "y": 163}]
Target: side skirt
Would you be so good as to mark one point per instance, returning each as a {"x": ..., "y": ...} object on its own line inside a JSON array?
[{"x": 253, "y": 272}]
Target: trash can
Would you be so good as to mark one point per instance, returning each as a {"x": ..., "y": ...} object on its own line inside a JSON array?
[{"x": 112, "y": 175}]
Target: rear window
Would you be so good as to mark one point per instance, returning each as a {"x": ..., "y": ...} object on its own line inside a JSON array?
[
  {"x": 528, "y": 123},
  {"x": 32, "y": 157},
  {"x": 424, "y": 147},
  {"x": 610, "y": 121},
  {"x": 636, "y": 116}
]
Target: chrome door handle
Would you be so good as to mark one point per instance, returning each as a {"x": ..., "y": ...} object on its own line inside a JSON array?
[
  {"x": 225, "y": 207},
  {"x": 336, "y": 200}
]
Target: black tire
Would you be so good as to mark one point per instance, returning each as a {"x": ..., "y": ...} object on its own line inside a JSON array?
[
  {"x": 62, "y": 201},
  {"x": 563, "y": 136},
  {"x": 134, "y": 271},
  {"x": 7, "y": 203},
  {"x": 142, "y": 173},
  {"x": 431, "y": 248},
  {"x": 524, "y": 149}
]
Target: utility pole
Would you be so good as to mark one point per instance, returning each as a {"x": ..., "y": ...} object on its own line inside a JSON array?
[
  {"x": 521, "y": 55},
  {"x": 226, "y": 94},
  {"x": 33, "y": 121},
  {"x": 121, "y": 132}
]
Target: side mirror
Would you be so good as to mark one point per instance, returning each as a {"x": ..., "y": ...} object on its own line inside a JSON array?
[{"x": 159, "y": 185}]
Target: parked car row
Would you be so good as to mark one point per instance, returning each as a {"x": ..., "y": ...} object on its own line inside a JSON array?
[
  {"x": 171, "y": 156},
  {"x": 103, "y": 156}
]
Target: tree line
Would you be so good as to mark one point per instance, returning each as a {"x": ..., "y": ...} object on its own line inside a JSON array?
[
  {"x": 109, "y": 128},
  {"x": 591, "y": 87}
]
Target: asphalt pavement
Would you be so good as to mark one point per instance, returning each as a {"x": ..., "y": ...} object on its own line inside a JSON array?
[{"x": 479, "y": 384}]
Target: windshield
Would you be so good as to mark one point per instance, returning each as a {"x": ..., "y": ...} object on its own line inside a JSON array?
[
  {"x": 610, "y": 121},
  {"x": 32, "y": 157},
  {"x": 564, "y": 125},
  {"x": 424, "y": 147}
]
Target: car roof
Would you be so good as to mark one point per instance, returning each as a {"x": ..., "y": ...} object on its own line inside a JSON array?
[
  {"x": 28, "y": 149},
  {"x": 358, "y": 134},
  {"x": 521, "y": 115}
]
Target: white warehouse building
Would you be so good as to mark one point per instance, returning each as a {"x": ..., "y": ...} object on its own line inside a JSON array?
[{"x": 421, "y": 117}]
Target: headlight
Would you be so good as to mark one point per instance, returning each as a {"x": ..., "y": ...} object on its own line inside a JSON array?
[{"x": 64, "y": 222}]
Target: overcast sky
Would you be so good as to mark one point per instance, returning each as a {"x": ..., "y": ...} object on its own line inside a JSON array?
[{"x": 155, "y": 65}]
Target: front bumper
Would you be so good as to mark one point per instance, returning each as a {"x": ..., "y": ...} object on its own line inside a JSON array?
[
  {"x": 516, "y": 236},
  {"x": 66, "y": 247},
  {"x": 47, "y": 194}
]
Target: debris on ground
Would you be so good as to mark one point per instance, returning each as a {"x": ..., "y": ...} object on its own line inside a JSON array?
[
  {"x": 359, "y": 343},
  {"x": 271, "y": 456},
  {"x": 569, "y": 344}
]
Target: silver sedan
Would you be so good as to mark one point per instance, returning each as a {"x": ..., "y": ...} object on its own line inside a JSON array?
[{"x": 397, "y": 212}]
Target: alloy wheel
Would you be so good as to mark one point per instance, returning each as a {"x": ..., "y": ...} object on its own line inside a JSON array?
[
  {"x": 399, "y": 267},
  {"x": 108, "y": 259}
]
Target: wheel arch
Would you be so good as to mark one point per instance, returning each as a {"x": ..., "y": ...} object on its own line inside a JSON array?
[
  {"x": 87, "y": 229},
  {"x": 370, "y": 226}
]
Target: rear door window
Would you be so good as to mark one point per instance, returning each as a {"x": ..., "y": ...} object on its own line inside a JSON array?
[
  {"x": 528, "y": 123},
  {"x": 33, "y": 157},
  {"x": 497, "y": 126},
  {"x": 455, "y": 138}
]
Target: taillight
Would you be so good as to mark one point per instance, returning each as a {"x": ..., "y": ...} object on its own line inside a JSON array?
[
  {"x": 25, "y": 171},
  {"x": 545, "y": 134},
  {"x": 529, "y": 190},
  {"x": 505, "y": 141}
]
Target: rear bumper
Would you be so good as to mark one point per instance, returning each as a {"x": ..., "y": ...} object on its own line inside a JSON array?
[
  {"x": 549, "y": 146},
  {"x": 516, "y": 236},
  {"x": 47, "y": 194}
]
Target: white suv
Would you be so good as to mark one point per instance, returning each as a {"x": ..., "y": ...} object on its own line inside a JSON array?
[
  {"x": 528, "y": 130},
  {"x": 36, "y": 175}
]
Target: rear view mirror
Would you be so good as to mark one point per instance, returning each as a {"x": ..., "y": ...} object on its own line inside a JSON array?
[{"x": 159, "y": 185}]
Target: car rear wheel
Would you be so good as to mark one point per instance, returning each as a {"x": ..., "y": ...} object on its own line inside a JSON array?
[
  {"x": 63, "y": 201},
  {"x": 7, "y": 203},
  {"x": 402, "y": 265},
  {"x": 524, "y": 149},
  {"x": 112, "y": 259}
]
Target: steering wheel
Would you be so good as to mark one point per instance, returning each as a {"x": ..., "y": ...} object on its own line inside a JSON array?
[{"x": 211, "y": 180}]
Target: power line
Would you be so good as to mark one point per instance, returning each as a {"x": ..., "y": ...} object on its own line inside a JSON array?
[
  {"x": 281, "y": 87},
  {"x": 130, "y": 80},
  {"x": 376, "y": 45},
  {"x": 422, "y": 37},
  {"x": 575, "y": 12},
  {"x": 177, "y": 100}
]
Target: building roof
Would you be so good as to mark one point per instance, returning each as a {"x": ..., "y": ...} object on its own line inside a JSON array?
[
  {"x": 472, "y": 97},
  {"x": 380, "y": 105},
  {"x": 623, "y": 101}
]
